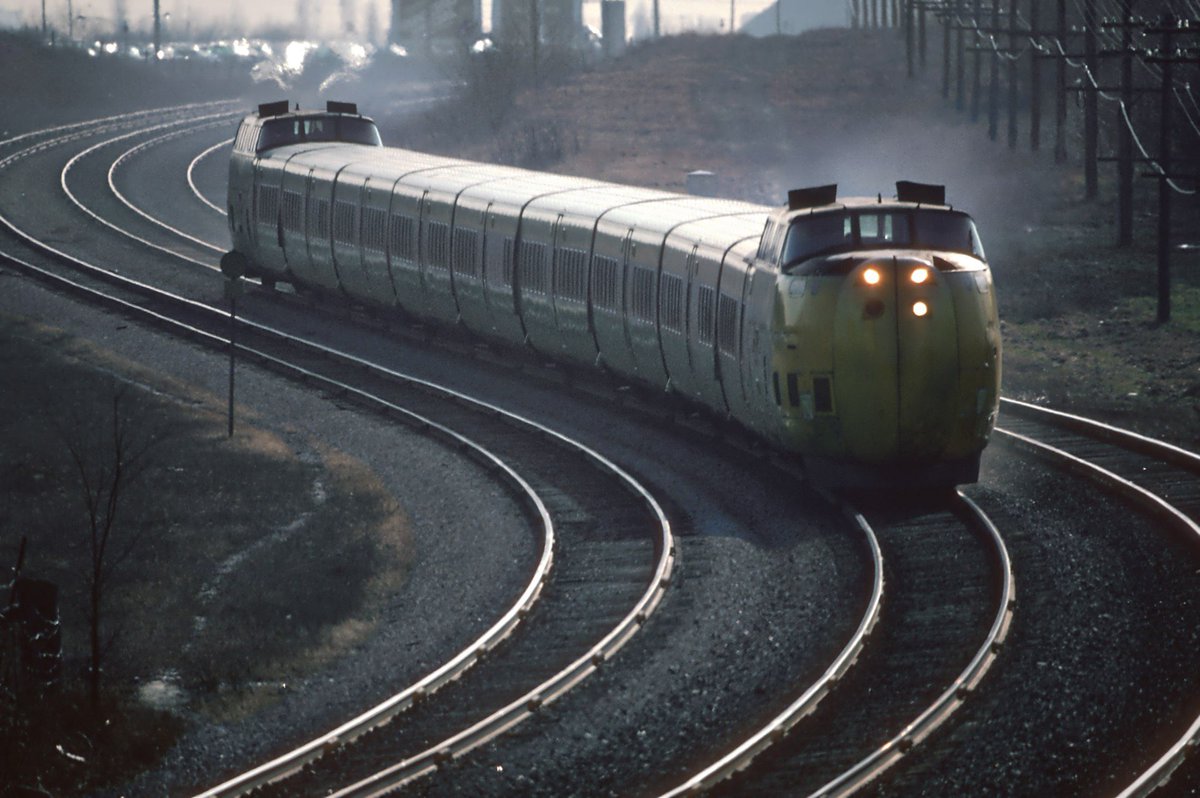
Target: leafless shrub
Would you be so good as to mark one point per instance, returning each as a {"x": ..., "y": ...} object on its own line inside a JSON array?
[{"x": 109, "y": 457}]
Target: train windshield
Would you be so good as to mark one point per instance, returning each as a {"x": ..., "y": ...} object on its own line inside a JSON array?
[
  {"x": 302, "y": 129},
  {"x": 829, "y": 233}
]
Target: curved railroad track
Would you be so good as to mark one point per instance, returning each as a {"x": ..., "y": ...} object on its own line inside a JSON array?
[
  {"x": 950, "y": 598},
  {"x": 589, "y": 493},
  {"x": 251, "y": 334},
  {"x": 1164, "y": 480},
  {"x": 900, "y": 730}
]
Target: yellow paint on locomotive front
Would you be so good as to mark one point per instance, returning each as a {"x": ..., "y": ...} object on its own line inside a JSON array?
[{"x": 894, "y": 364}]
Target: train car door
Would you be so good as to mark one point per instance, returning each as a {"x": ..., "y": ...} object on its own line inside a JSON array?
[{"x": 759, "y": 306}]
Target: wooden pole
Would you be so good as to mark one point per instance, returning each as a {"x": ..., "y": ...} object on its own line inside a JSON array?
[
  {"x": 1124, "y": 136},
  {"x": 233, "y": 286},
  {"x": 960, "y": 50},
  {"x": 908, "y": 38},
  {"x": 1164, "y": 188},
  {"x": 994, "y": 78},
  {"x": 946, "y": 57},
  {"x": 922, "y": 39},
  {"x": 1060, "y": 92},
  {"x": 1035, "y": 79},
  {"x": 1012, "y": 74},
  {"x": 977, "y": 63},
  {"x": 1091, "y": 111}
]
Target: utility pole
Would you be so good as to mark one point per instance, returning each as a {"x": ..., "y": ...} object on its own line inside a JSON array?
[
  {"x": 1170, "y": 56},
  {"x": 946, "y": 24},
  {"x": 960, "y": 45},
  {"x": 908, "y": 37},
  {"x": 1164, "y": 163},
  {"x": 1012, "y": 74},
  {"x": 922, "y": 38},
  {"x": 994, "y": 75},
  {"x": 233, "y": 266},
  {"x": 976, "y": 62},
  {"x": 1091, "y": 115},
  {"x": 1035, "y": 79},
  {"x": 535, "y": 35},
  {"x": 157, "y": 31},
  {"x": 1125, "y": 136},
  {"x": 1060, "y": 93}
]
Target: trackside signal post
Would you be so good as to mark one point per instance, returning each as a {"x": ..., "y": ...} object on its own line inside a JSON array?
[{"x": 233, "y": 266}]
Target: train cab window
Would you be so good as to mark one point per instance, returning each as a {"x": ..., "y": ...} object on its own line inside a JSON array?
[
  {"x": 952, "y": 231},
  {"x": 885, "y": 229},
  {"x": 357, "y": 131},
  {"x": 822, "y": 234},
  {"x": 279, "y": 132},
  {"x": 300, "y": 129},
  {"x": 811, "y": 235}
]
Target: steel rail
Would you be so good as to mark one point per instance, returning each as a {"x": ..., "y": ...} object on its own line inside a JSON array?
[
  {"x": 873, "y": 765},
  {"x": 1126, "y": 439},
  {"x": 126, "y": 118},
  {"x": 1159, "y": 772},
  {"x": 612, "y": 642},
  {"x": 745, "y": 752},
  {"x": 116, "y": 228},
  {"x": 112, "y": 183},
  {"x": 80, "y": 131},
  {"x": 453, "y": 668},
  {"x": 517, "y": 711},
  {"x": 191, "y": 175}
]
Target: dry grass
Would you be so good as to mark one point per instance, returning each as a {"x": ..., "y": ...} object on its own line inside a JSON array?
[{"x": 260, "y": 558}]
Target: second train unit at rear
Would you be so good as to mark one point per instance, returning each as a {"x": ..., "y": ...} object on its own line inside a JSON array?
[{"x": 859, "y": 334}]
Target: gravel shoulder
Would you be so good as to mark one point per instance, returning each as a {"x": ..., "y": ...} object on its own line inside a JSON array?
[{"x": 456, "y": 519}]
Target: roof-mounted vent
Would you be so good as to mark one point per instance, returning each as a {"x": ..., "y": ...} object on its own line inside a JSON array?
[
  {"x": 273, "y": 109},
  {"x": 920, "y": 193},
  {"x": 812, "y": 197},
  {"x": 335, "y": 107}
]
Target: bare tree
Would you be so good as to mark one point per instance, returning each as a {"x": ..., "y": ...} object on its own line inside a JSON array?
[{"x": 109, "y": 458}]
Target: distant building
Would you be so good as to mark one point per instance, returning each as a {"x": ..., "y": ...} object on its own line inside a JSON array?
[
  {"x": 559, "y": 22},
  {"x": 797, "y": 16},
  {"x": 435, "y": 24},
  {"x": 612, "y": 27}
]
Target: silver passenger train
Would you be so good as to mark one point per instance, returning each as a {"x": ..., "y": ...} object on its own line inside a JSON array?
[{"x": 860, "y": 335}]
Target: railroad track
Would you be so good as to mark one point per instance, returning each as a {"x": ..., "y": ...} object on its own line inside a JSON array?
[
  {"x": 900, "y": 729},
  {"x": 80, "y": 192},
  {"x": 1164, "y": 480},
  {"x": 949, "y": 603},
  {"x": 616, "y": 549}
]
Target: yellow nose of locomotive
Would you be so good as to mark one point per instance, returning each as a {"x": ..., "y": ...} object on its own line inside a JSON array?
[
  {"x": 895, "y": 346},
  {"x": 887, "y": 362}
]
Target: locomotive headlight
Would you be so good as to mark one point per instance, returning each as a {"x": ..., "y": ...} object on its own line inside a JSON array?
[
  {"x": 919, "y": 275},
  {"x": 872, "y": 276},
  {"x": 920, "y": 309}
]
